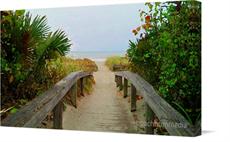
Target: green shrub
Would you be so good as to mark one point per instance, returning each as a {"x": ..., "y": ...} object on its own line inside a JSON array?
[{"x": 168, "y": 53}]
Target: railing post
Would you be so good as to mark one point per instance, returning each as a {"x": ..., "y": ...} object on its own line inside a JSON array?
[
  {"x": 133, "y": 98},
  {"x": 73, "y": 94},
  {"x": 120, "y": 83},
  {"x": 116, "y": 80},
  {"x": 81, "y": 87},
  {"x": 125, "y": 88},
  {"x": 57, "y": 112},
  {"x": 149, "y": 120}
]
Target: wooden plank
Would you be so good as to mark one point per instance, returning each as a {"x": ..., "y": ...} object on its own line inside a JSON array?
[
  {"x": 58, "y": 115},
  {"x": 133, "y": 98},
  {"x": 125, "y": 88},
  {"x": 32, "y": 114},
  {"x": 171, "y": 119},
  {"x": 149, "y": 120}
]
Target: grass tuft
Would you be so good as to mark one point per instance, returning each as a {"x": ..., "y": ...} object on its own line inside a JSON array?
[{"x": 117, "y": 63}]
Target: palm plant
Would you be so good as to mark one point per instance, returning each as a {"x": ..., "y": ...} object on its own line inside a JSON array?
[{"x": 26, "y": 44}]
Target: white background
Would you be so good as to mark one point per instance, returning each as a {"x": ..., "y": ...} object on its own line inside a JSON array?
[{"x": 215, "y": 80}]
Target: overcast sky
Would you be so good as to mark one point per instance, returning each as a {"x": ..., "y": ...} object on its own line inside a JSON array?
[{"x": 95, "y": 28}]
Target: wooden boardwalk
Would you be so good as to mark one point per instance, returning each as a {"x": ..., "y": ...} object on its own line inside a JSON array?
[{"x": 103, "y": 110}]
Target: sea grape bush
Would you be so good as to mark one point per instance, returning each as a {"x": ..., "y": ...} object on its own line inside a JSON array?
[{"x": 167, "y": 53}]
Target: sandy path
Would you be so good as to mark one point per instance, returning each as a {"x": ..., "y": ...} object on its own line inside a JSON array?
[{"x": 103, "y": 110}]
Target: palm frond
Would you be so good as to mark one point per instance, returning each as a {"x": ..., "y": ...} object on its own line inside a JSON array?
[
  {"x": 61, "y": 42},
  {"x": 39, "y": 28},
  {"x": 56, "y": 42}
]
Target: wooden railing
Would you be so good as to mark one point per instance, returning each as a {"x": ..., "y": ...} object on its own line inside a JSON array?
[
  {"x": 34, "y": 112},
  {"x": 172, "y": 120}
]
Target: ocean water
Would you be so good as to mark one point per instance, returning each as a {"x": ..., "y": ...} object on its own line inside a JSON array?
[{"x": 94, "y": 55}]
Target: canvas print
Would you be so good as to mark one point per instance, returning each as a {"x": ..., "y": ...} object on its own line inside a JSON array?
[{"x": 129, "y": 68}]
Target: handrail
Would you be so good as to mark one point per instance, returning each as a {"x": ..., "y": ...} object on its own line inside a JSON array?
[
  {"x": 34, "y": 112},
  {"x": 173, "y": 121}
]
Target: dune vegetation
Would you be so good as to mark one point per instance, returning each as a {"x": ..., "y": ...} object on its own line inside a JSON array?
[{"x": 122, "y": 63}]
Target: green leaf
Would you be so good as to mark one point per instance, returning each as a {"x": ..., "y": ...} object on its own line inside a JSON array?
[{"x": 13, "y": 110}]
